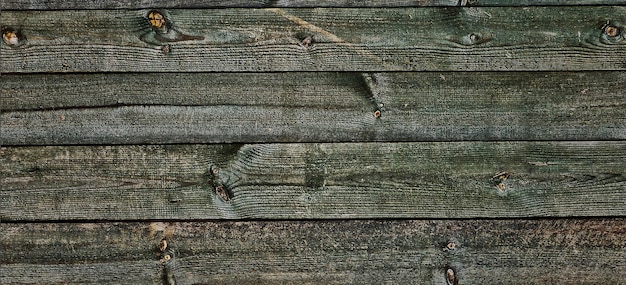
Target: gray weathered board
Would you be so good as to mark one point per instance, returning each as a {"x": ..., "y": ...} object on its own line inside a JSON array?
[
  {"x": 320, "y": 181},
  {"x": 135, "y": 108},
  {"x": 139, "y": 4},
  {"x": 318, "y": 252},
  {"x": 313, "y": 142},
  {"x": 571, "y": 251},
  {"x": 343, "y": 39}
]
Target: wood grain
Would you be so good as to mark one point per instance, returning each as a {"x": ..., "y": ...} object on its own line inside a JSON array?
[
  {"x": 158, "y": 108},
  {"x": 139, "y": 4},
  {"x": 314, "y": 181},
  {"x": 567, "y": 251},
  {"x": 254, "y": 40}
]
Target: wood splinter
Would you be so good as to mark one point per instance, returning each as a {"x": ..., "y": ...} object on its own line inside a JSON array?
[{"x": 502, "y": 175}]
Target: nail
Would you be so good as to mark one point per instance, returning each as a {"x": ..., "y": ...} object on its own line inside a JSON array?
[{"x": 377, "y": 114}]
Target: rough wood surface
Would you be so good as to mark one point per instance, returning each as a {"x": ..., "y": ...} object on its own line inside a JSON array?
[
  {"x": 392, "y": 39},
  {"x": 157, "y": 108},
  {"x": 140, "y": 4},
  {"x": 570, "y": 251},
  {"x": 314, "y": 181}
]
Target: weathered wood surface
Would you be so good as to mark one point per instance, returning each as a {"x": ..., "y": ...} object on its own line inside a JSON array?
[
  {"x": 142, "y": 4},
  {"x": 569, "y": 251},
  {"x": 393, "y": 39},
  {"x": 314, "y": 181},
  {"x": 157, "y": 108}
]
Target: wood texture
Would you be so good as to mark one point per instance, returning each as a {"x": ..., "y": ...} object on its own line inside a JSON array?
[
  {"x": 142, "y": 4},
  {"x": 344, "y": 142},
  {"x": 393, "y": 39},
  {"x": 570, "y": 251},
  {"x": 314, "y": 181},
  {"x": 314, "y": 107}
]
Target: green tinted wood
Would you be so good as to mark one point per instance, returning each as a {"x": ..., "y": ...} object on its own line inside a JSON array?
[
  {"x": 571, "y": 251},
  {"x": 315, "y": 181},
  {"x": 393, "y": 39},
  {"x": 294, "y": 107}
]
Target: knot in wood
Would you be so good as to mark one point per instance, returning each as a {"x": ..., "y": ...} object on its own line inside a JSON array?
[
  {"x": 221, "y": 192},
  {"x": 451, "y": 278},
  {"x": 500, "y": 178},
  {"x": 163, "y": 244},
  {"x": 611, "y": 31},
  {"x": 476, "y": 38},
  {"x": 12, "y": 37},
  {"x": 377, "y": 114},
  {"x": 501, "y": 186},
  {"x": 214, "y": 170},
  {"x": 307, "y": 42},
  {"x": 451, "y": 246},
  {"x": 157, "y": 20}
]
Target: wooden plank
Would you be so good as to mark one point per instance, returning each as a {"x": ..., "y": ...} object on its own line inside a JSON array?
[
  {"x": 161, "y": 4},
  {"x": 568, "y": 251},
  {"x": 314, "y": 181},
  {"x": 295, "y": 107},
  {"x": 392, "y": 39},
  {"x": 141, "y": 4}
]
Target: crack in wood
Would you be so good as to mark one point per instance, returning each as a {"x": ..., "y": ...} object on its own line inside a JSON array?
[{"x": 370, "y": 81}]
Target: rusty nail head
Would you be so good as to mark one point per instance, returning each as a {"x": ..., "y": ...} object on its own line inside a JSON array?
[{"x": 377, "y": 114}]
